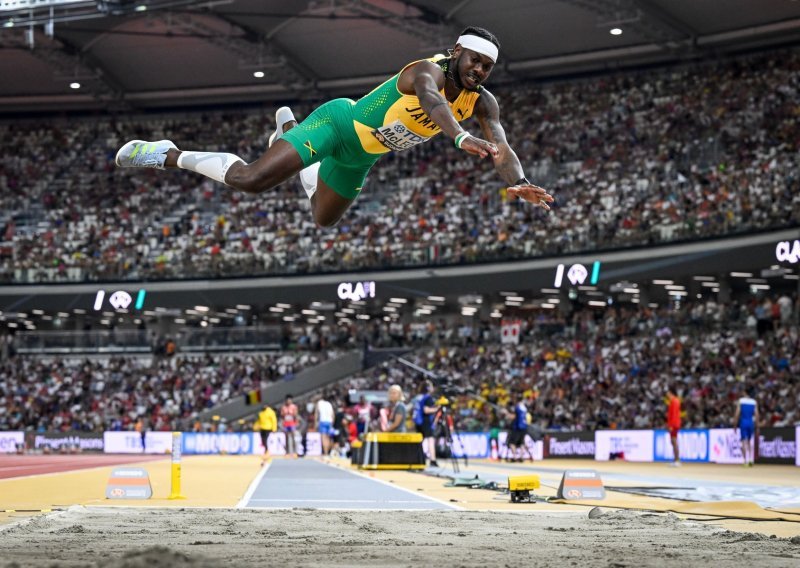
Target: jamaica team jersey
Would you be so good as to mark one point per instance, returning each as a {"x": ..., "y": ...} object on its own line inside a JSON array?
[{"x": 387, "y": 120}]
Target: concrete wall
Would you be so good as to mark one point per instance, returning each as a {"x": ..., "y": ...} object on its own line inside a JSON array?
[{"x": 304, "y": 382}]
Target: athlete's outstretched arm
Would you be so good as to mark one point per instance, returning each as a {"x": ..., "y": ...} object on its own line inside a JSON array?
[
  {"x": 506, "y": 162},
  {"x": 425, "y": 80}
]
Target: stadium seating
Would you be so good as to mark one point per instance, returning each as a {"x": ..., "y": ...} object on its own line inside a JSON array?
[
  {"x": 638, "y": 158},
  {"x": 111, "y": 394},
  {"x": 587, "y": 369}
]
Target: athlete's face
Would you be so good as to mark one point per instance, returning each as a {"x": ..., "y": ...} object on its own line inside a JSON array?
[{"x": 473, "y": 68}]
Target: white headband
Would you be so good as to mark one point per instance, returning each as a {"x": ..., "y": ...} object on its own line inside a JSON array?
[{"x": 479, "y": 45}]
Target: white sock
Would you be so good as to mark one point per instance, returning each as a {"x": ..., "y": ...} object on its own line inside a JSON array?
[
  {"x": 308, "y": 177},
  {"x": 213, "y": 165},
  {"x": 282, "y": 116}
]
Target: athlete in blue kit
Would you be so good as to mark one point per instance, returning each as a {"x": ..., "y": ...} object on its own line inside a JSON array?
[{"x": 745, "y": 420}]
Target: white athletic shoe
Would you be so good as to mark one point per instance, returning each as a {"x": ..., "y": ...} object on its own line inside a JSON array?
[
  {"x": 142, "y": 154},
  {"x": 675, "y": 464},
  {"x": 282, "y": 116}
]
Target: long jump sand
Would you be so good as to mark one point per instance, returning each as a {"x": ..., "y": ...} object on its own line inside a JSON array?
[{"x": 137, "y": 537}]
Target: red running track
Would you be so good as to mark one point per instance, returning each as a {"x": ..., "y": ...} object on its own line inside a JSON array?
[{"x": 21, "y": 466}]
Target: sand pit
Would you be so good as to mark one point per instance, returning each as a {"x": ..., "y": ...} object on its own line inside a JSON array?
[{"x": 154, "y": 538}]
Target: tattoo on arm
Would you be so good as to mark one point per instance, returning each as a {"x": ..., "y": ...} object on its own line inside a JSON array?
[{"x": 507, "y": 164}]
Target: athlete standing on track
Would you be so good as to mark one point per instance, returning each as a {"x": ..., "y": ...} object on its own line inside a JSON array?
[
  {"x": 334, "y": 148},
  {"x": 674, "y": 422},
  {"x": 289, "y": 419},
  {"x": 745, "y": 420}
]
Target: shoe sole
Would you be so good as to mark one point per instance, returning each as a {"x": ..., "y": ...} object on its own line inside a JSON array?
[{"x": 116, "y": 158}]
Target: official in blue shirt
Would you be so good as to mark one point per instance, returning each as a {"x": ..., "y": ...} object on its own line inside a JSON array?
[{"x": 424, "y": 411}]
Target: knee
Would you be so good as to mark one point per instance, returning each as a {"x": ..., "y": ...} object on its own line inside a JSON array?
[
  {"x": 326, "y": 222},
  {"x": 325, "y": 219},
  {"x": 245, "y": 178}
]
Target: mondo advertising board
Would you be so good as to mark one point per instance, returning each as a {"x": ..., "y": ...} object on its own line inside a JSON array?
[
  {"x": 67, "y": 441},
  {"x": 10, "y": 440},
  {"x": 131, "y": 443},
  {"x": 724, "y": 446},
  {"x": 776, "y": 445},
  {"x": 570, "y": 445},
  {"x": 692, "y": 445},
  {"x": 629, "y": 445},
  {"x": 218, "y": 443},
  {"x": 478, "y": 445},
  {"x": 471, "y": 445}
]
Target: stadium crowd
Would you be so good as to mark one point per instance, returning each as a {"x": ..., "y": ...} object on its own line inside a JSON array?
[
  {"x": 578, "y": 369},
  {"x": 612, "y": 369},
  {"x": 636, "y": 158},
  {"x": 114, "y": 393}
]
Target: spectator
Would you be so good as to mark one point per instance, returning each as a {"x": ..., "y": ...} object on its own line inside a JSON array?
[{"x": 396, "y": 416}]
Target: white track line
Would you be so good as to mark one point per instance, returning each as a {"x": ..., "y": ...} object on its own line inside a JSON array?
[
  {"x": 253, "y": 486},
  {"x": 347, "y": 509},
  {"x": 394, "y": 485},
  {"x": 333, "y": 501}
]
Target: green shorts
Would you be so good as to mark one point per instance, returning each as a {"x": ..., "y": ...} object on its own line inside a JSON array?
[{"x": 328, "y": 135}]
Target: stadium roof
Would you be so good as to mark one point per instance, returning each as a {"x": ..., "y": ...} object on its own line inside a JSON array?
[{"x": 130, "y": 54}]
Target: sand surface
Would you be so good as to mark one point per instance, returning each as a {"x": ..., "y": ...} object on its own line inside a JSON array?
[{"x": 154, "y": 538}]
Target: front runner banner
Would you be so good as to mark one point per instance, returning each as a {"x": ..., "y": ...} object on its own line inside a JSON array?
[
  {"x": 724, "y": 446},
  {"x": 131, "y": 443},
  {"x": 58, "y": 441},
  {"x": 571, "y": 445},
  {"x": 630, "y": 445},
  {"x": 10, "y": 440},
  {"x": 776, "y": 445},
  {"x": 534, "y": 449},
  {"x": 692, "y": 444}
]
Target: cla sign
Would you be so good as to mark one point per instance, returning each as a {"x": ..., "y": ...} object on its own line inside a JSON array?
[
  {"x": 787, "y": 251},
  {"x": 356, "y": 291}
]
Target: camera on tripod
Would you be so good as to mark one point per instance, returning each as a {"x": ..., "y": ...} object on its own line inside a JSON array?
[{"x": 447, "y": 388}]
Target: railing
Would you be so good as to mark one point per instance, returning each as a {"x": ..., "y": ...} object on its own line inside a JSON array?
[{"x": 142, "y": 341}]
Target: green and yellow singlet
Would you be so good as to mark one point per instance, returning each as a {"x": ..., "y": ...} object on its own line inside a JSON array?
[{"x": 387, "y": 120}]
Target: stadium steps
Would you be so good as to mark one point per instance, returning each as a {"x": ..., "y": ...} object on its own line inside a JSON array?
[{"x": 304, "y": 382}]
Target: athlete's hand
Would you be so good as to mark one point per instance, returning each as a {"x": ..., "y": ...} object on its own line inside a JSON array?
[
  {"x": 478, "y": 147},
  {"x": 532, "y": 194}
]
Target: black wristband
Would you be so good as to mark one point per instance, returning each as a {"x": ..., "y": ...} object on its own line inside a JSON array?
[{"x": 522, "y": 181}]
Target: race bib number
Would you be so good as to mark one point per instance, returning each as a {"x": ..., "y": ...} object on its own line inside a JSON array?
[{"x": 396, "y": 136}]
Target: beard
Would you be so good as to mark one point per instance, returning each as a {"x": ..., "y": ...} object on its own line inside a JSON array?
[{"x": 457, "y": 78}]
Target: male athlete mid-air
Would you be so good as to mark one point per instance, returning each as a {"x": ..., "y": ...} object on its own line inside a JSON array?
[{"x": 335, "y": 147}]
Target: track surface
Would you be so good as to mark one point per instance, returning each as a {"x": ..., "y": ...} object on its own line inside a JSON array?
[
  {"x": 22, "y": 466},
  {"x": 306, "y": 483}
]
